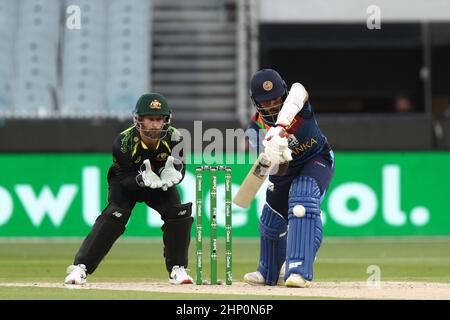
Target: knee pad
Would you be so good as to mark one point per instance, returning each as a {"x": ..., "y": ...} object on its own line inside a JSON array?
[
  {"x": 177, "y": 234},
  {"x": 273, "y": 229},
  {"x": 305, "y": 227},
  {"x": 177, "y": 211},
  {"x": 116, "y": 213}
]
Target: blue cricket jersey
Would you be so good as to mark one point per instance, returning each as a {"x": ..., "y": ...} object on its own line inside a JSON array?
[{"x": 305, "y": 138}]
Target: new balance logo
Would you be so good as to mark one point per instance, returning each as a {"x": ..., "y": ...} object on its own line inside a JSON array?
[
  {"x": 295, "y": 264},
  {"x": 116, "y": 214},
  {"x": 182, "y": 213}
]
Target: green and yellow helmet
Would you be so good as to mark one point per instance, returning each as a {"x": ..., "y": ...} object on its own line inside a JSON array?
[{"x": 152, "y": 104}]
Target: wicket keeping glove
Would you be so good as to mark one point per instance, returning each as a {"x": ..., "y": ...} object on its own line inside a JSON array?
[
  {"x": 169, "y": 175},
  {"x": 149, "y": 178}
]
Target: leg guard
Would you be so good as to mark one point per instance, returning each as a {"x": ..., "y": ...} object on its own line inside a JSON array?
[
  {"x": 273, "y": 229},
  {"x": 305, "y": 227},
  {"x": 177, "y": 234},
  {"x": 107, "y": 228}
]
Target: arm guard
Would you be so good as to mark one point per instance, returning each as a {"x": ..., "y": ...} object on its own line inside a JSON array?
[{"x": 292, "y": 105}]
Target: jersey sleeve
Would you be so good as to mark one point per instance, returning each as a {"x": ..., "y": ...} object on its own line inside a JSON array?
[
  {"x": 124, "y": 168},
  {"x": 306, "y": 112}
]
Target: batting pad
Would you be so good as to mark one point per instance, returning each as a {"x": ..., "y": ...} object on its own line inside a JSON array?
[
  {"x": 273, "y": 229},
  {"x": 305, "y": 233},
  {"x": 105, "y": 231}
]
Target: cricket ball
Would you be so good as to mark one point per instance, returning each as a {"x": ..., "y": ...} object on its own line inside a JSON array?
[{"x": 299, "y": 211}]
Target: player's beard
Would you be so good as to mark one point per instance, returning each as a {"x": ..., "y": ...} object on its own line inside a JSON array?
[
  {"x": 270, "y": 115},
  {"x": 153, "y": 134},
  {"x": 150, "y": 133}
]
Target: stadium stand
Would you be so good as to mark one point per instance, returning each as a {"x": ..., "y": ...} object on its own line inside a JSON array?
[
  {"x": 84, "y": 63},
  {"x": 194, "y": 58},
  {"x": 128, "y": 54},
  {"x": 36, "y": 54},
  {"x": 8, "y": 23}
]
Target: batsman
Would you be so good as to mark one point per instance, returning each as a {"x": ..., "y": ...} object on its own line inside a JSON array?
[
  {"x": 290, "y": 225},
  {"x": 147, "y": 165}
]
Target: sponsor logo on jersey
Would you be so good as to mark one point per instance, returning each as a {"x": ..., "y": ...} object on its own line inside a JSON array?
[
  {"x": 304, "y": 146},
  {"x": 292, "y": 141},
  {"x": 162, "y": 156},
  {"x": 295, "y": 264}
]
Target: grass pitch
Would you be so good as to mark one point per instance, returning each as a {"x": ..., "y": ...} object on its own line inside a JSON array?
[{"x": 29, "y": 261}]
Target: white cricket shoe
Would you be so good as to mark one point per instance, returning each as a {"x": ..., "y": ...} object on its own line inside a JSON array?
[
  {"x": 257, "y": 279},
  {"x": 297, "y": 281},
  {"x": 76, "y": 274},
  {"x": 254, "y": 278},
  {"x": 180, "y": 276}
]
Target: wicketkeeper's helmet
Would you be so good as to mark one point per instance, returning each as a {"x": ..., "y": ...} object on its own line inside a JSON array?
[{"x": 152, "y": 104}]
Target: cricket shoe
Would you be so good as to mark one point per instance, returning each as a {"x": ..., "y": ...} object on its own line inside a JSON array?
[
  {"x": 76, "y": 274},
  {"x": 180, "y": 276},
  {"x": 297, "y": 281},
  {"x": 257, "y": 279},
  {"x": 254, "y": 278}
]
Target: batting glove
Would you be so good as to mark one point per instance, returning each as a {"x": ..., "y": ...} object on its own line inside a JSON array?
[{"x": 276, "y": 145}]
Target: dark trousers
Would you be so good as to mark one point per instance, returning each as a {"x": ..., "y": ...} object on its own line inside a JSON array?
[{"x": 110, "y": 224}]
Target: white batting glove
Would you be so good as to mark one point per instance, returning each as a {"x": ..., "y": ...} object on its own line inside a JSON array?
[
  {"x": 277, "y": 131},
  {"x": 150, "y": 178},
  {"x": 276, "y": 145},
  {"x": 277, "y": 150},
  {"x": 170, "y": 176}
]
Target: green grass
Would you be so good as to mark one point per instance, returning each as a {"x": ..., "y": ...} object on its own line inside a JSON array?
[{"x": 413, "y": 259}]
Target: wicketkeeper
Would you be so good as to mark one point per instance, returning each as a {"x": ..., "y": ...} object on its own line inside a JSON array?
[
  {"x": 147, "y": 165},
  {"x": 290, "y": 223}
]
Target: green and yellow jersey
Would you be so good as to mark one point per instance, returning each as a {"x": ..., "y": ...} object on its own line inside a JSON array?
[{"x": 129, "y": 153}]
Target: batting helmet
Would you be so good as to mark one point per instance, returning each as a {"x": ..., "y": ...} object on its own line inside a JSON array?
[{"x": 266, "y": 85}]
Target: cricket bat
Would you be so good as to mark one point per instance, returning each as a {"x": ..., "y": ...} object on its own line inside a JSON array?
[{"x": 253, "y": 181}]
